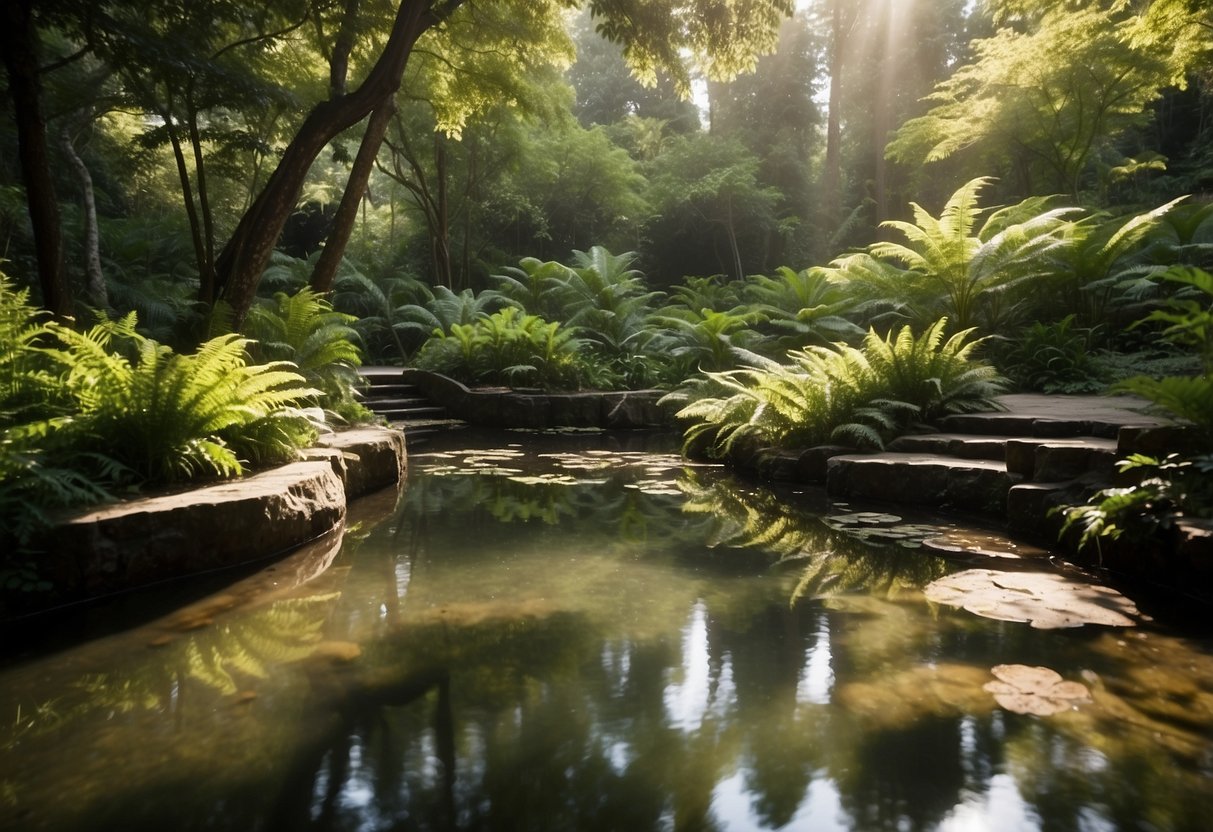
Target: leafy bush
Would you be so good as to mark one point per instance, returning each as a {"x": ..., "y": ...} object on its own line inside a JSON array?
[
  {"x": 1189, "y": 319},
  {"x": 805, "y": 307},
  {"x": 862, "y": 396},
  {"x": 508, "y": 347},
  {"x": 1052, "y": 358},
  {"x": 605, "y": 302},
  {"x": 705, "y": 339},
  {"x": 1171, "y": 486}
]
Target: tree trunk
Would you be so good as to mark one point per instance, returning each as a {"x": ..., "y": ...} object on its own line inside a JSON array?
[
  {"x": 442, "y": 236},
  {"x": 187, "y": 195},
  {"x": 244, "y": 258},
  {"x": 18, "y": 42},
  {"x": 355, "y": 189},
  {"x": 206, "y": 267},
  {"x": 831, "y": 183},
  {"x": 94, "y": 278}
]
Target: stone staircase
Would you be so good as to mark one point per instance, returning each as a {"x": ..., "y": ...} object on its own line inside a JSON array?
[
  {"x": 1018, "y": 463},
  {"x": 403, "y": 405}
]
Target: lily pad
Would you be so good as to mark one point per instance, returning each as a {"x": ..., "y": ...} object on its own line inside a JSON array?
[
  {"x": 1046, "y": 600},
  {"x": 1024, "y": 689}
]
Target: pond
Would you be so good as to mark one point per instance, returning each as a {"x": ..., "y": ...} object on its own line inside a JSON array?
[{"x": 585, "y": 632}]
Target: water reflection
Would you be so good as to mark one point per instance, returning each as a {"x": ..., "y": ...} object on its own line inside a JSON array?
[{"x": 580, "y": 637}]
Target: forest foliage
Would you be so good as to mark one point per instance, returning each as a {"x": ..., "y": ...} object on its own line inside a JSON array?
[{"x": 608, "y": 193}]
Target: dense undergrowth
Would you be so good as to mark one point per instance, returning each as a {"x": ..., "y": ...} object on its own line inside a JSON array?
[{"x": 88, "y": 415}]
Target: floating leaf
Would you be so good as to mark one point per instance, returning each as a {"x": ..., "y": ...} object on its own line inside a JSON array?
[
  {"x": 1044, "y": 599},
  {"x": 1024, "y": 689},
  {"x": 980, "y": 544}
]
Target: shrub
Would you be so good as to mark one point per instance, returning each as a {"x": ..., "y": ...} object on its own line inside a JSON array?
[
  {"x": 1189, "y": 319},
  {"x": 1052, "y": 358},
  {"x": 862, "y": 396},
  {"x": 508, "y": 347},
  {"x": 1170, "y": 486}
]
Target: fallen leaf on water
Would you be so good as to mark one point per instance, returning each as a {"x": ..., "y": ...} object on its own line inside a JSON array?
[
  {"x": 1040, "y": 691},
  {"x": 1046, "y": 600}
]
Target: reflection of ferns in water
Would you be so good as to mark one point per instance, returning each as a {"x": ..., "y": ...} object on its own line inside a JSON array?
[
  {"x": 286, "y": 632},
  {"x": 833, "y": 563},
  {"x": 218, "y": 657},
  {"x": 883, "y": 571},
  {"x": 753, "y": 519}
]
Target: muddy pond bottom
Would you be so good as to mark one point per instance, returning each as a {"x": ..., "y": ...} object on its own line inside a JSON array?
[{"x": 587, "y": 633}]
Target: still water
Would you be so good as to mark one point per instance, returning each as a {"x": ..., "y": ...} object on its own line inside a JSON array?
[{"x": 567, "y": 633}]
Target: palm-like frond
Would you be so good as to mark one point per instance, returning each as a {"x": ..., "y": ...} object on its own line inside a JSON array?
[{"x": 947, "y": 267}]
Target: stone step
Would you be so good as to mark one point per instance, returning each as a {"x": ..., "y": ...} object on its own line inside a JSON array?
[
  {"x": 412, "y": 413},
  {"x": 1034, "y": 508},
  {"x": 979, "y": 485},
  {"x": 963, "y": 445},
  {"x": 1023, "y": 424},
  {"x": 381, "y": 375},
  {"x": 379, "y": 391},
  {"x": 380, "y": 403},
  {"x": 1052, "y": 460}
]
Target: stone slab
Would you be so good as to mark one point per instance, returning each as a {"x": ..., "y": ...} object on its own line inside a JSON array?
[
  {"x": 963, "y": 445},
  {"x": 373, "y": 458},
  {"x": 151, "y": 539},
  {"x": 970, "y": 484},
  {"x": 1060, "y": 459}
]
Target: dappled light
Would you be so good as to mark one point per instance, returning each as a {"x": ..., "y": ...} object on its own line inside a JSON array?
[{"x": 732, "y": 370}]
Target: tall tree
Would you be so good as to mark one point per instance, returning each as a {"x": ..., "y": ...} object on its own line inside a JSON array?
[
  {"x": 19, "y": 43},
  {"x": 1055, "y": 86},
  {"x": 724, "y": 36}
]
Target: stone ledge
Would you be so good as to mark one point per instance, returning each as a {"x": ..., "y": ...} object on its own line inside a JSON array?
[
  {"x": 138, "y": 542},
  {"x": 502, "y": 407},
  {"x": 371, "y": 458}
]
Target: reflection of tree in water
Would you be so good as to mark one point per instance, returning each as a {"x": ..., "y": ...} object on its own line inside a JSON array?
[{"x": 904, "y": 780}]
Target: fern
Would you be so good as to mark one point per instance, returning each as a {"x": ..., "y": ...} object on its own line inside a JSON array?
[
  {"x": 507, "y": 347},
  {"x": 170, "y": 417},
  {"x": 862, "y": 396},
  {"x": 1185, "y": 397},
  {"x": 947, "y": 266},
  {"x": 304, "y": 328}
]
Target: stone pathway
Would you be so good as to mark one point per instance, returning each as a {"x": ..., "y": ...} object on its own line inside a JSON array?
[
  {"x": 402, "y": 405},
  {"x": 1001, "y": 463}
]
